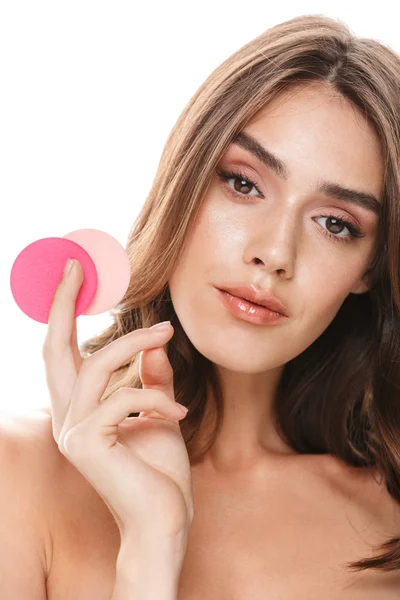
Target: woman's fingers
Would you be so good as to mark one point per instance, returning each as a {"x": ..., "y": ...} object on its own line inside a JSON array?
[
  {"x": 75, "y": 348},
  {"x": 155, "y": 372},
  {"x": 99, "y": 431},
  {"x": 60, "y": 352},
  {"x": 62, "y": 313},
  {"x": 97, "y": 369}
]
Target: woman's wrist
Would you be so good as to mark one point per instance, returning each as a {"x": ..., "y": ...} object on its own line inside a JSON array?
[
  {"x": 153, "y": 543},
  {"x": 149, "y": 569}
]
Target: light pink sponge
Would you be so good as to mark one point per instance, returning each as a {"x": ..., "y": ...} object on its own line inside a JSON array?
[{"x": 38, "y": 268}]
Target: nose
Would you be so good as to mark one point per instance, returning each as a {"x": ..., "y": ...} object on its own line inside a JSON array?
[{"x": 273, "y": 248}]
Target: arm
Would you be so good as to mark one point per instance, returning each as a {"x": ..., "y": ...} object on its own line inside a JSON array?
[{"x": 149, "y": 570}]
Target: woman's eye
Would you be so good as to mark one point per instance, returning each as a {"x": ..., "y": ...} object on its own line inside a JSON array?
[{"x": 240, "y": 181}]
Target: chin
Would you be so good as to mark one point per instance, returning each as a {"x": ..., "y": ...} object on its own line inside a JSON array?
[{"x": 220, "y": 346}]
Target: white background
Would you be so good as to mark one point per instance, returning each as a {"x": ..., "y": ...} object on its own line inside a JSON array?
[{"x": 89, "y": 91}]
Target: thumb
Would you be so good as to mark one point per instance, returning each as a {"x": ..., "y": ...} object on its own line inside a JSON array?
[{"x": 155, "y": 370}]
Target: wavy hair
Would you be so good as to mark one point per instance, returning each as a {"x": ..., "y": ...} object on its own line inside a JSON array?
[{"x": 341, "y": 395}]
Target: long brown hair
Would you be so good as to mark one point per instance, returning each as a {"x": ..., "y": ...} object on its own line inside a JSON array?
[{"x": 341, "y": 395}]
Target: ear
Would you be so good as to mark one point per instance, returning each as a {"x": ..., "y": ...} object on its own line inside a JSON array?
[
  {"x": 363, "y": 285},
  {"x": 367, "y": 280}
]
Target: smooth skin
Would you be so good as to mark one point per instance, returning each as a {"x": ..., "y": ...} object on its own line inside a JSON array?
[
  {"x": 140, "y": 467},
  {"x": 275, "y": 238}
]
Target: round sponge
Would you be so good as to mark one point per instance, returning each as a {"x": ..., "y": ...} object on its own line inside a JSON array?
[
  {"x": 38, "y": 270},
  {"x": 112, "y": 265}
]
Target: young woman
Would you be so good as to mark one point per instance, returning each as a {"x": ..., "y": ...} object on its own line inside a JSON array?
[{"x": 279, "y": 184}]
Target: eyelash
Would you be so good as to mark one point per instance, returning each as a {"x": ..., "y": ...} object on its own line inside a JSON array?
[{"x": 355, "y": 232}]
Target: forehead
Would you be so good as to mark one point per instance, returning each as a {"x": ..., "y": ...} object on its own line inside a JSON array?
[{"x": 320, "y": 134}]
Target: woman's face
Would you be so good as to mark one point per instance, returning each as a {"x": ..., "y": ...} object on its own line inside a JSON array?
[{"x": 280, "y": 238}]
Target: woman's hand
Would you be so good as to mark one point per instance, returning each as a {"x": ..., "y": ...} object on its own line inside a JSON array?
[{"x": 139, "y": 466}]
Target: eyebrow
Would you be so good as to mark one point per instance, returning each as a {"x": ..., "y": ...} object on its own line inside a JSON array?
[{"x": 362, "y": 199}]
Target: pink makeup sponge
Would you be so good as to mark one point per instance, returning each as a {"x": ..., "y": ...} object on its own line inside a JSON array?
[
  {"x": 112, "y": 265},
  {"x": 38, "y": 269}
]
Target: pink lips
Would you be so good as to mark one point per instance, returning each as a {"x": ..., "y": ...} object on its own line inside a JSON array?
[
  {"x": 264, "y": 298},
  {"x": 248, "y": 311}
]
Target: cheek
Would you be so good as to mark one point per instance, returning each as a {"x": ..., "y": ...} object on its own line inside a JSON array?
[
  {"x": 323, "y": 293},
  {"x": 202, "y": 264},
  {"x": 220, "y": 226},
  {"x": 226, "y": 230},
  {"x": 207, "y": 245},
  {"x": 191, "y": 272}
]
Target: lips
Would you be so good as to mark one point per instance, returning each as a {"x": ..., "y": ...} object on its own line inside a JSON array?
[{"x": 266, "y": 299}]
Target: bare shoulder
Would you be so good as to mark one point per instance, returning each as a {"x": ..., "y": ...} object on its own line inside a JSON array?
[
  {"x": 15, "y": 424},
  {"x": 28, "y": 461},
  {"x": 366, "y": 489},
  {"x": 28, "y": 439},
  {"x": 53, "y": 515}
]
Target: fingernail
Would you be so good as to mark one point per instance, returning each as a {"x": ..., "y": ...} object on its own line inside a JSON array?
[
  {"x": 162, "y": 325},
  {"x": 68, "y": 267},
  {"x": 183, "y": 408}
]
